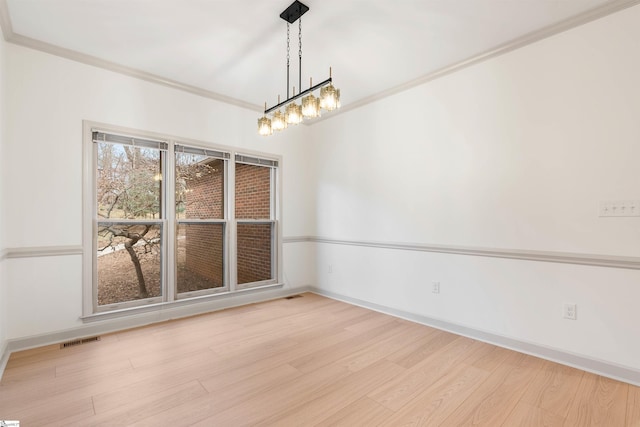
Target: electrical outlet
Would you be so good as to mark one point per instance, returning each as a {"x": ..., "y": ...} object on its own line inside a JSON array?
[
  {"x": 330, "y": 268},
  {"x": 570, "y": 311},
  {"x": 435, "y": 287}
]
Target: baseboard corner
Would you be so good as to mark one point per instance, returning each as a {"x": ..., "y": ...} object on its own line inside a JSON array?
[{"x": 599, "y": 367}]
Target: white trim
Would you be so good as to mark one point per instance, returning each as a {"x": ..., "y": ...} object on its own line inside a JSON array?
[
  {"x": 169, "y": 306},
  {"x": 83, "y": 58},
  {"x": 596, "y": 366},
  {"x": 527, "y": 39},
  {"x": 5, "y": 21},
  {"x": 4, "y": 356},
  {"x": 42, "y": 251},
  {"x": 109, "y": 325},
  {"x": 170, "y": 297},
  {"x": 297, "y": 239},
  {"x": 581, "y": 19},
  {"x": 593, "y": 260},
  {"x": 610, "y": 261}
]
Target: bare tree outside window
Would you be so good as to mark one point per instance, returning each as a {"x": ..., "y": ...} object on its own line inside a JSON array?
[{"x": 129, "y": 199}]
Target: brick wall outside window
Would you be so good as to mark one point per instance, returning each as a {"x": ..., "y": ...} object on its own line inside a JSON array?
[
  {"x": 203, "y": 243},
  {"x": 253, "y": 201}
]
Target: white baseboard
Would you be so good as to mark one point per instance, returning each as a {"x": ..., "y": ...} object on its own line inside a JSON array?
[
  {"x": 143, "y": 319},
  {"x": 4, "y": 357},
  {"x": 595, "y": 366},
  {"x": 599, "y": 367}
]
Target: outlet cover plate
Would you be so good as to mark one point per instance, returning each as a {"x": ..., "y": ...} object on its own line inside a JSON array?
[{"x": 570, "y": 311}]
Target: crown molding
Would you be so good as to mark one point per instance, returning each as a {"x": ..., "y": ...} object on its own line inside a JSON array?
[
  {"x": 18, "y": 39},
  {"x": 567, "y": 24},
  {"x": 5, "y": 20},
  {"x": 127, "y": 71},
  {"x": 527, "y": 39}
]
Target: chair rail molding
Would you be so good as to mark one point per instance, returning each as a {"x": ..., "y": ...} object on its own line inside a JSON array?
[{"x": 595, "y": 260}]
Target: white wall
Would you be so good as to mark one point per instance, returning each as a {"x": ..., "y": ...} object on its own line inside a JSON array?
[
  {"x": 513, "y": 153},
  {"x": 48, "y": 98},
  {"x": 3, "y": 285}
]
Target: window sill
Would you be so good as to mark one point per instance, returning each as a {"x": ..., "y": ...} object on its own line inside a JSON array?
[{"x": 207, "y": 303}]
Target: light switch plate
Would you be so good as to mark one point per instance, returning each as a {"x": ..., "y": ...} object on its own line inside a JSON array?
[{"x": 620, "y": 208}]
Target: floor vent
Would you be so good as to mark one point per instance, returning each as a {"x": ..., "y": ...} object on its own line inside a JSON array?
[
  {"x": 79, "y": 342},
  {"x": 293, "y": 296}
]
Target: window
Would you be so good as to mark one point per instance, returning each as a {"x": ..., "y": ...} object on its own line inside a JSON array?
[
  {"x": 163, "y": 222},
  {"x": 254, "y": 211},
  {"x": 200, "y": 215},
  {"x": 129, "y": 232}
]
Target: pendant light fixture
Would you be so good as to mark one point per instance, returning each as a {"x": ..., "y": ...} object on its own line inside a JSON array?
[
  {"x": 293, "y": 113},
  {"x": 264, "y": 124}
]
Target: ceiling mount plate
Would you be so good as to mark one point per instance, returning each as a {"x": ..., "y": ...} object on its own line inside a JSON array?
[{"x": 294, "y": 12}]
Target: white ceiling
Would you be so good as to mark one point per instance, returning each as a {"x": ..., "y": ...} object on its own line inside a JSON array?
[{"x": 237, "y": 48}]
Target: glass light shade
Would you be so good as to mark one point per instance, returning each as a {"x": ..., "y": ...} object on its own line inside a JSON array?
[
  {"x": 264, "y": 126},
  {"x": 293, "y": 114},
  {"x": 329, "y": 97},
  {"x": 310, "y": 106},
  {"x": 277, "y": 121}
]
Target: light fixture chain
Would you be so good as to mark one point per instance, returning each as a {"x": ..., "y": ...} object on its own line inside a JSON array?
[
  {"x": 294, "y": 113},
  {"x": 288, "y": 48},
  {"x": 300, "y": 37},
  {"x": 300, "y": 53}
]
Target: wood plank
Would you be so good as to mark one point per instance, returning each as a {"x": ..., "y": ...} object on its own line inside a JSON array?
[
  {"x": 487, "y": 357},
  {"x": 528, "y": 415},
  {"x": 381, "y": 348},
  {"x": 633, "y": 407},
  {"x": 142, "y": 406},
  {"x": 336, "y": 352},
  {"x": 397, "y": 392},
  {"x": 303, "y": 361},
  {"x": 599, "y": 401},
  {"x": 275, "y": 397},
  {"x": 332, "y": 398},
  {"x": 501, "y": 391},
  {"x": 436, "y": 402},
  {"x": 554, "y": 389},
  {"x": 55, "y": 409},
  {"x": 422, "y": 348},
  {"x": 362, "y": 412}
]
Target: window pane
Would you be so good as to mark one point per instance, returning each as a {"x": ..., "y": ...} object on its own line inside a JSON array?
[
  {"x": 253, "y": 192},
  {"x": 199, "y": 187},
  {"x": 200, "y": 256},
  {"x": 128, "y": 182},
  {"x": 128, "y": 264},
  {"x": 254, "y": 252}
]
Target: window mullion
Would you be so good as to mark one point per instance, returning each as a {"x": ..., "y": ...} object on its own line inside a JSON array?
[
  {"x": 169, "y": 177},
  {"x": 232, "y": 253}
]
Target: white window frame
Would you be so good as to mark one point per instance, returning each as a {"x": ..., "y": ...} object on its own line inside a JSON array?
[
  {"x": 225, "y": 157},
  {"x": 273, "y": 165},
  {"x": 169, "y": 223}
]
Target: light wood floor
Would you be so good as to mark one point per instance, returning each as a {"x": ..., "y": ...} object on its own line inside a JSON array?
[{"x": 302, "y": 362}]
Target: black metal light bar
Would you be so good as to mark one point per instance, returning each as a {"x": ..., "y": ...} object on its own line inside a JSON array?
[
  {"x": 294, "y": 12},
  {"x": 293, "y": 98}
]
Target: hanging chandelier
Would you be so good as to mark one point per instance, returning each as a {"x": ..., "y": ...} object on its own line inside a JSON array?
[{"x": 288, "y": 112}]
